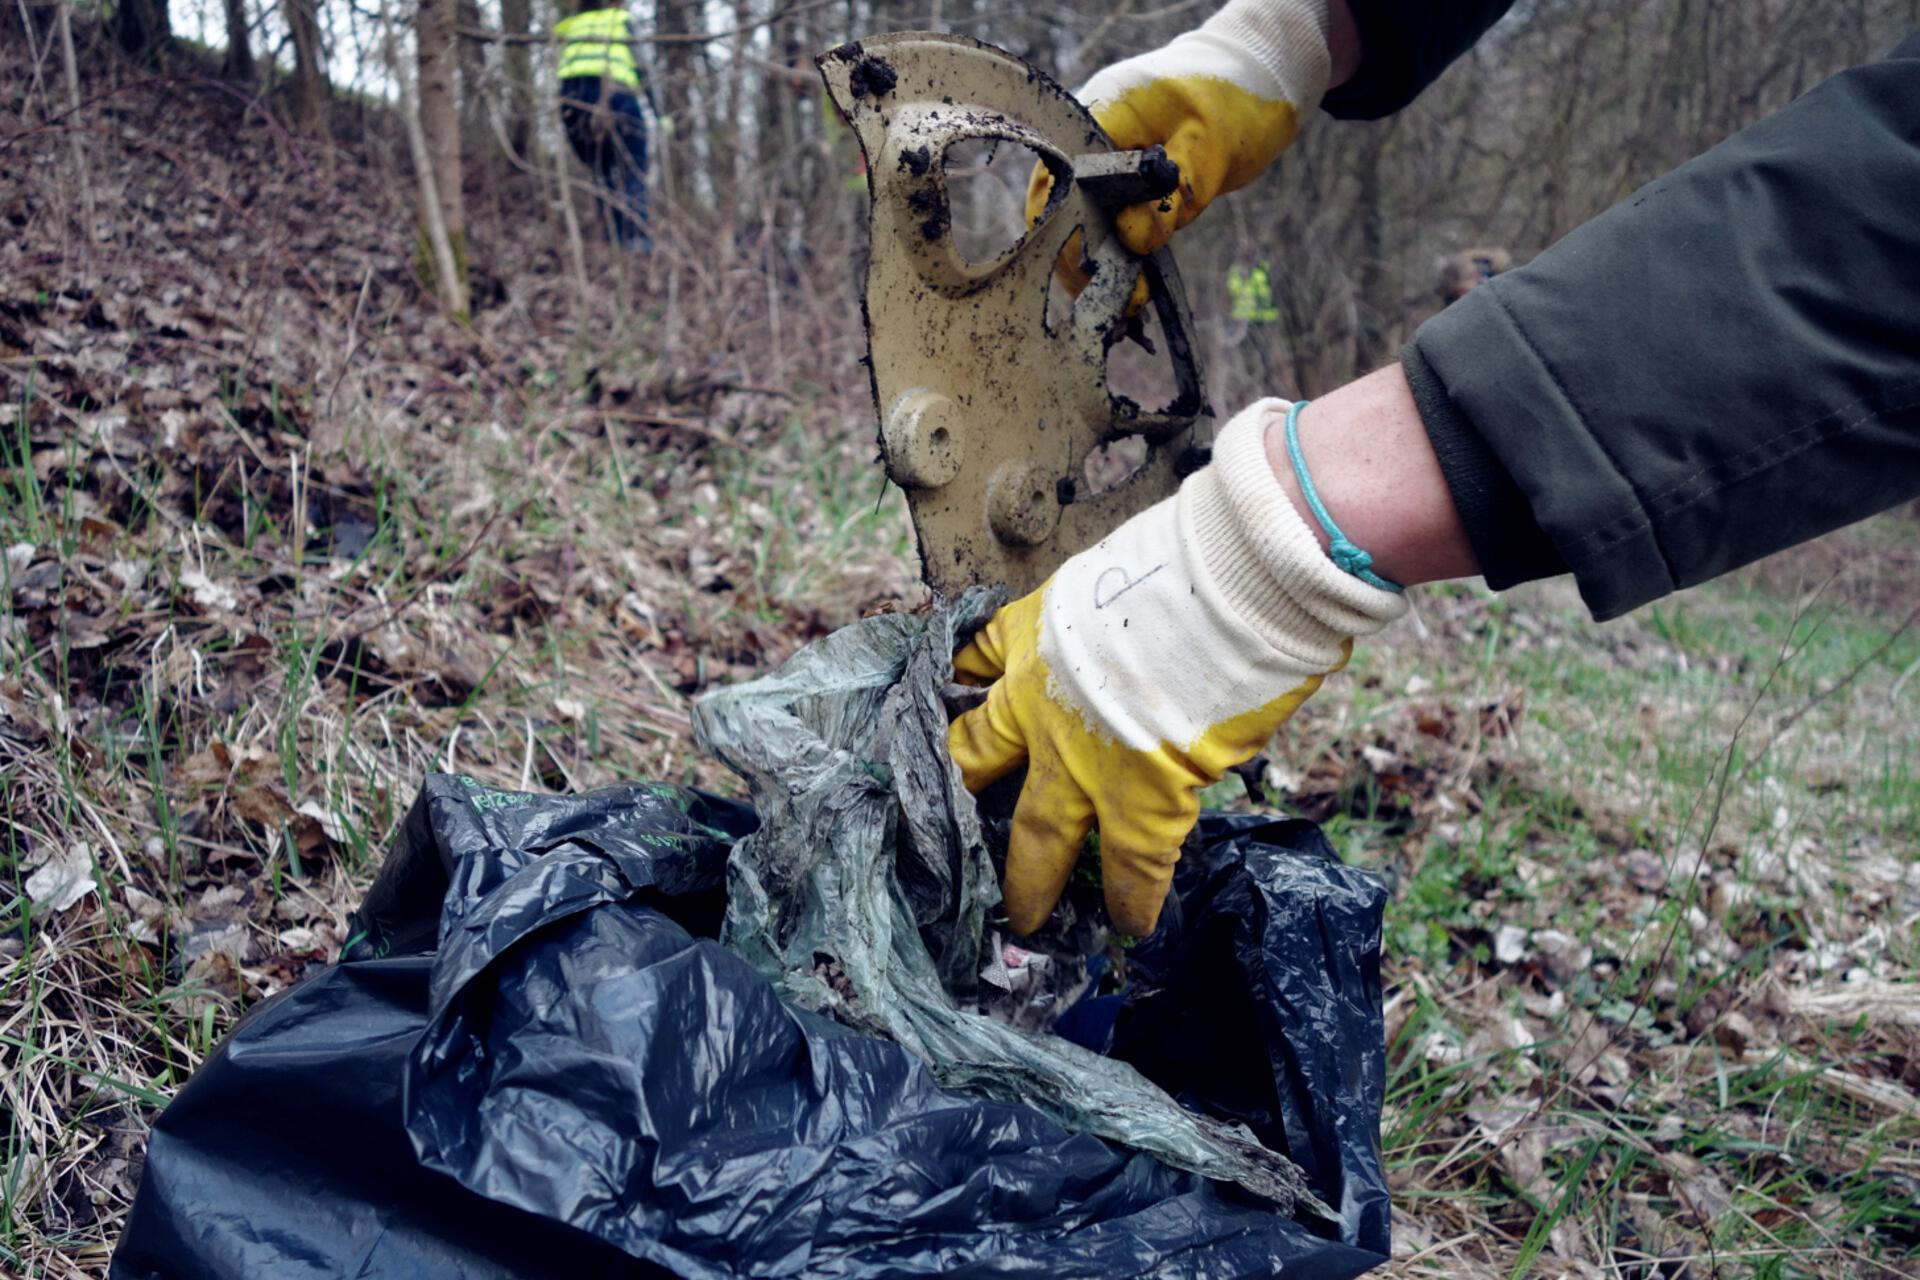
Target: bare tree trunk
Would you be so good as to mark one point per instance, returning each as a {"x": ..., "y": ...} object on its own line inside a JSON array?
[
  {"x": 439, "y": 129},
  {"x": 309, "y": 66},
  {"x": 728, "y": 133},
  {"x": 576, "y": 243},
  {"x": 238, "y": 64},
  {"x": 441, "y": 256},
  {"x": 472, "y": 57},
  {"x": 144, "y": 28},
  {"x": 82, "y": 178},
  {"x": 674, "y": 91},
  {"x": 818, "y": 194},
  {"x": 516, "y": 19}
]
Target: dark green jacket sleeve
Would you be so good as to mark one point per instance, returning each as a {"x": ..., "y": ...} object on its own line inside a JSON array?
[
  {"x": 1404, "y": 46},
  {"x": 1725, "y": 364}
]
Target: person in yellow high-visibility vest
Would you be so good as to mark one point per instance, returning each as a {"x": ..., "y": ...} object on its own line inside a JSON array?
[
  {"x": 601, "y": 87},
  {"x": 1251, "y": 290}
]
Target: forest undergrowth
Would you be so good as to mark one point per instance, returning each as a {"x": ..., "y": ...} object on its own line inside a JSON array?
[{"x": 280, "y": 538}]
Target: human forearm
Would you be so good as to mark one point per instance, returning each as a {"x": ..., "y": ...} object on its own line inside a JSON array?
[
  {"x": 1718, "y": 367},
  {"x": 1373, "y": 466}
]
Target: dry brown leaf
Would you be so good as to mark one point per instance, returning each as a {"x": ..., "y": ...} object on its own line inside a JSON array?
[
  {"x": 1705, "y": 1196},
  {"x": 329, "y": 822},
  {"x": 18, "y": 720},
  {"x": 265, "y": 805},
  {"x": 1645, "y": 871},
  {"x": 211, "y": 981},
  {"x": 64, "y": 879},
  {"x": 82, "y": 631},
  {"x": 205, "y": 769},
  {"x": 99, "y": 536},
  {"x": 150, "y": 915},
  {"x": 38, "y": 586}
]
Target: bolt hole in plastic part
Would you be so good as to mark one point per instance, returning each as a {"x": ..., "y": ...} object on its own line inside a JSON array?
[
  {"x": 1112, "y": 463},
  {"x": 986, "y": 181},
  {"x": 1140, "y": 367}
]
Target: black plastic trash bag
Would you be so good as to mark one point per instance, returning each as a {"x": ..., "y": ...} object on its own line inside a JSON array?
[{"x": 539, "y": 1061}]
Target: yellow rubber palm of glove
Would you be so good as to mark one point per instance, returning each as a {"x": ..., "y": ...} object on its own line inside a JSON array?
[
  {"x": 1221, "y": 135},
  {"x": 1144, "y": 802}
]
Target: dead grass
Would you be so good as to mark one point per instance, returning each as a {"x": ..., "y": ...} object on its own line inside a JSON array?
[
  {"x": 1651, "y": 968},
  {"x": 279, "y": 540}
]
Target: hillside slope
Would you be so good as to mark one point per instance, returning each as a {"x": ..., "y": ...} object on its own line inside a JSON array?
[{"x": 280, "y": 538}]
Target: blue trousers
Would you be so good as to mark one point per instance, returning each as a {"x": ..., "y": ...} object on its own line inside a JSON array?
[{"x": 613, "y": 143}]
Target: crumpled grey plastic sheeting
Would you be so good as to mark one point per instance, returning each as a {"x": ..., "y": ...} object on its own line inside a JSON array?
[{"x": 865, "y": 889}]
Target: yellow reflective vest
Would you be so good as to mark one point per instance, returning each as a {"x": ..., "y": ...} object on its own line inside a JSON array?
[
  {"x": 597, "y": 43},
  {"x": 1252, "y": 295}
]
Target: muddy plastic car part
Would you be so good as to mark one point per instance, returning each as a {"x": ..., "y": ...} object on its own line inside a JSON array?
[{"x": 987, "y": 411}]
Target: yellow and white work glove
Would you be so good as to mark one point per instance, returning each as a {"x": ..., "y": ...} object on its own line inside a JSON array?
[
  {"x": 1224, "y": 101},
  {"x": 1146, "y": 667}
]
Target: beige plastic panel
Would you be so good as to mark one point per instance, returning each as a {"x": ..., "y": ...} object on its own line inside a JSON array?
[{"x": 986, "y": 416}]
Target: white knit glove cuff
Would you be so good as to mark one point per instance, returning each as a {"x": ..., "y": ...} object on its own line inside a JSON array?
[
  {"x": 1287, "y": 39},
  {"x": 1275, "y": 49},
  {"x": 1264, "y": 559},
  {"x": 1202, "y": 607}
]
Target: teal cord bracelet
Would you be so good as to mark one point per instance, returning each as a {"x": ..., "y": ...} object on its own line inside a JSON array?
[{"x": 1345, "y": 555}]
